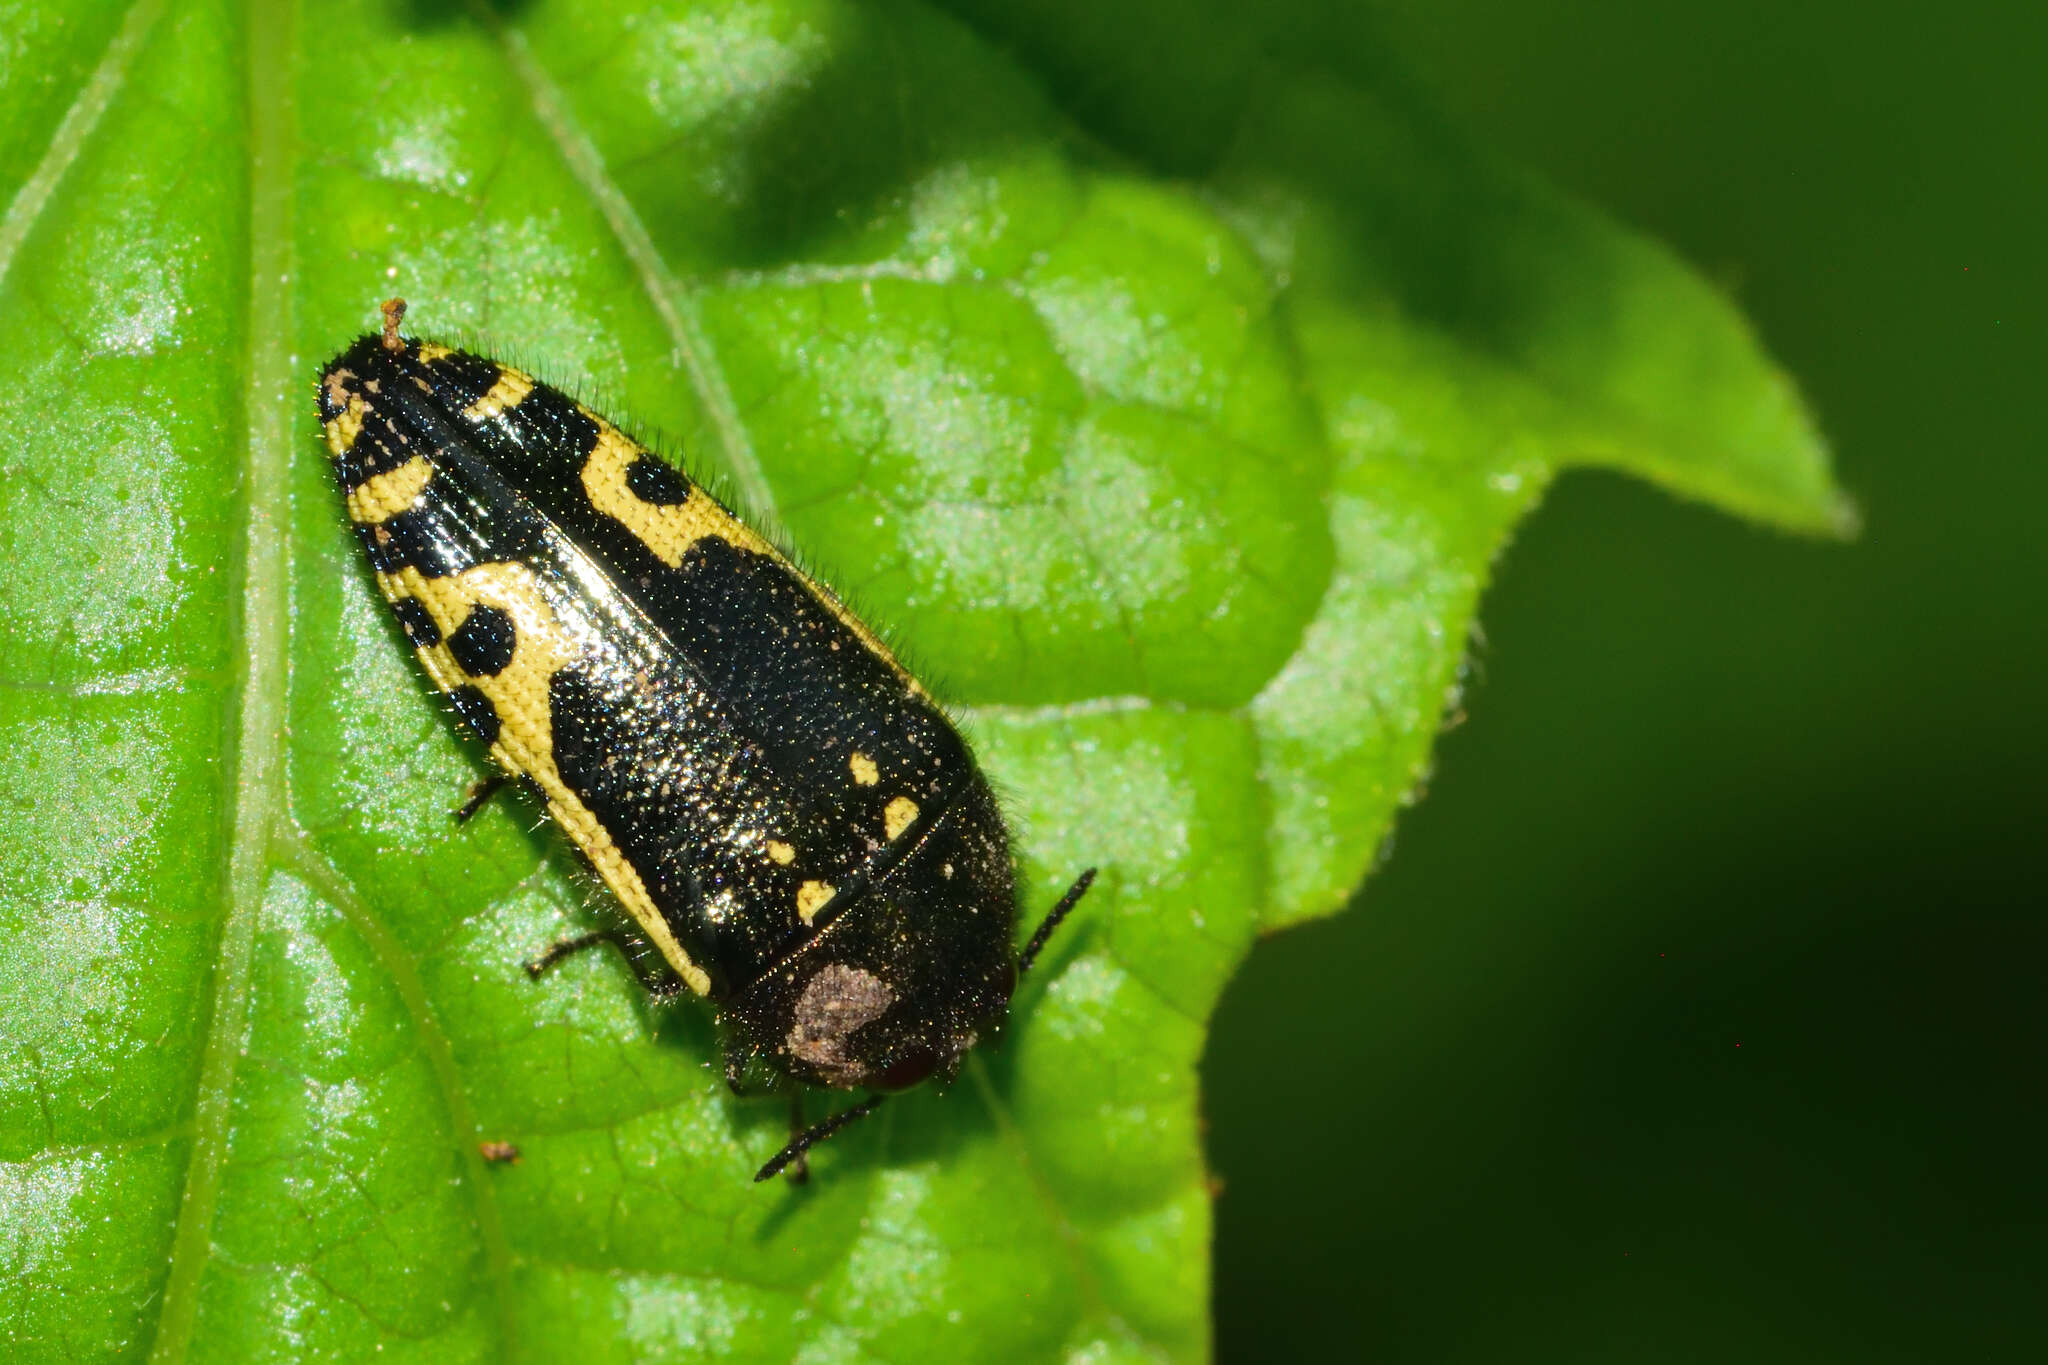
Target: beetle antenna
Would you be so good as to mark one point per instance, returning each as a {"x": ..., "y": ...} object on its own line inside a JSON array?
[
  {"x": 394, "y": 314},
  {"x": 816, "y": 1133},
  {"x": 1052, "y": 921}
]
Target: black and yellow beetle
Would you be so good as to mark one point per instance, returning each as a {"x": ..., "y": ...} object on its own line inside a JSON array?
[{"x": 782, "y": 810}]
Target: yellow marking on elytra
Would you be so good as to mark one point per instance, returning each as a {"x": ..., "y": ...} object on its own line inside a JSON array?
[
  {"x": 383, "y": 496},
  {"x": 669, "y": 531},
  {"x": 781, "y": 852},
  {"x": 812, "y": 897},
  {"x": 346, "y": 425},
  {"x": 509, "y": 392},
  {"x": 900, "y": 814},
  {"x": 525, "y": 742},
  {"x": 431, "y": 351},
  {"x": 864, "y": 770}
]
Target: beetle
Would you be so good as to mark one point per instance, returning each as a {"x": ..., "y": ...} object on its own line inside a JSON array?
[{"x": 781, "y": 809}]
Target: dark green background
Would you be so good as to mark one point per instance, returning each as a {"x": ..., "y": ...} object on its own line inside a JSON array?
[{"x": 1697, "y": 1016}]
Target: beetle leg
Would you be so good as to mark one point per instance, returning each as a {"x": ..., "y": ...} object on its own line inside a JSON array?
[
  {"x": 798, "y": 1171},
  {"x": 480, "y": 793},
  {"x": 648, "y": 969}
]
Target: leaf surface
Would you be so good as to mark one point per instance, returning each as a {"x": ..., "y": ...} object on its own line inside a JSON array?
[{"x": 1169, "y": 411}]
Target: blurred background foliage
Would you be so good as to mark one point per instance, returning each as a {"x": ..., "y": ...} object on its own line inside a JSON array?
[{"x": 1699, "y": 1016}]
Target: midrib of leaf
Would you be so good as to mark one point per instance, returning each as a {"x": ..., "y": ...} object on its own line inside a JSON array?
[
  {"x": 76, "y": 126},
  {"x": 673, "y": 301},
  {"x": 259, "y": 754}
]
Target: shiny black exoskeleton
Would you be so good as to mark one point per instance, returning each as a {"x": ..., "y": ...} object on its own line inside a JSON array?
[{"x": 789, "y": 819}]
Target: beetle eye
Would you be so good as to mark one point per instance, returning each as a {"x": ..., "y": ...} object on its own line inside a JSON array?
[{"x": 908, "y": 1070}]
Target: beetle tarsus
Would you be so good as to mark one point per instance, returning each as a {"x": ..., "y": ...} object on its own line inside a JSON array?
[
  {"x": 480, "y": 793},
  {"x": 654, "y": 978}
]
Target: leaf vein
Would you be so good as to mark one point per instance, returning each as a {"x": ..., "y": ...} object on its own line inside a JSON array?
[
  {"x": 75, "y": 128},
  {"x": 673, "y": 301},
  {"x": 399, "y": 967},
  {"x": 265, "y": 624}
]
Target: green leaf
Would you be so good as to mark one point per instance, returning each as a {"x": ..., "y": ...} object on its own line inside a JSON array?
[{"x": 1166, "y": 386}]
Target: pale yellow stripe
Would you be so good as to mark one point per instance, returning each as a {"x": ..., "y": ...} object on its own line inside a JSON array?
[
  {"x": 525, "y": 742},
  {"x": 509, "y": 392},
  {"x": 669, "y": 531},
  {"x": 378, "y": 499},
  {"x": 346, "y": 425}
]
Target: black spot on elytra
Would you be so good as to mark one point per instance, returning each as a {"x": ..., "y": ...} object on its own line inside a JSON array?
[
  {"x": 477, "y": 712},
  {"x": 461, "y": 378},
  {"x": 429, "y": 536},
  {"x": 482, "y": 645},
  {"x": 653, "y": 481},
  {"x": 418, "y": 626},
  {"x": 552, "y": 428},
  {"x": 379, "y": 448}
]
